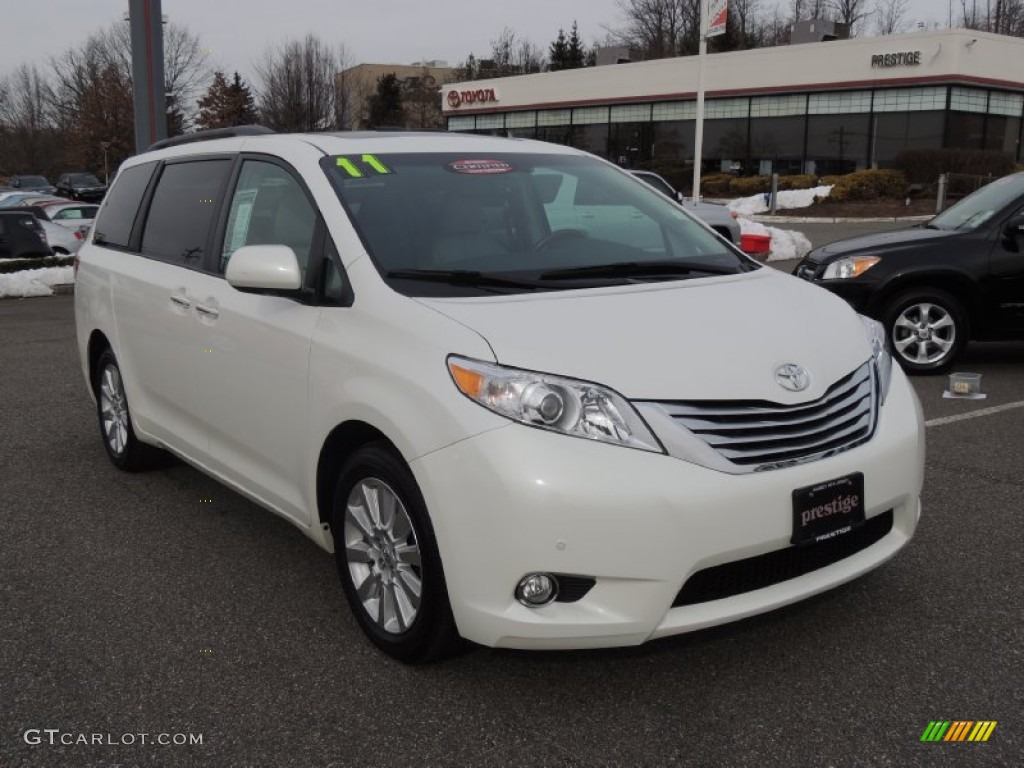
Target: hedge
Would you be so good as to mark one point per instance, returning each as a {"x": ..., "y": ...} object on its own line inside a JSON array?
[
  {"x": 7, "y": 266},
  {"x": 923, "y": 166},
  {"x": 868, "y": 184}
]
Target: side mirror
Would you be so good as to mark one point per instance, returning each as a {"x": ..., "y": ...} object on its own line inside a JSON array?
[
  {"x": 680, "y": 197},
  {"x": 1014, "y": 227},
  {"x": 264, "y": 268}
]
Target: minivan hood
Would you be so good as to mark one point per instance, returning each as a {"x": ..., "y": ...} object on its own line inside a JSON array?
[
  {"x": 886, "y": 240},
  {"x": 707, "y": 338}
]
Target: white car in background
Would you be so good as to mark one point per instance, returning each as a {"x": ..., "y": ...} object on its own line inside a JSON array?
[
  {"x": 509, "y": 421},
  {"x": 71, "y": 214}
]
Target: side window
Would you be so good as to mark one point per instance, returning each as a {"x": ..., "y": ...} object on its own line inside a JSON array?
[
  {"x": 122, "y": 205},
  {"x": 69, "y": 213},
  {"x": 182, "y": 211},
  {"x": 268, "y": 207}
]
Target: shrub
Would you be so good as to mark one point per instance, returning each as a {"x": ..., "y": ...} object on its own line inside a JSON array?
[
  {"x": 923, "y": 166},
  {"x": 798, "y": 181},
  {"x": 8, "y": 266},
  {"x": 745, "y": 186},
  {"x": 716, "y": 183},
  {"x": 868, "y": 184}
]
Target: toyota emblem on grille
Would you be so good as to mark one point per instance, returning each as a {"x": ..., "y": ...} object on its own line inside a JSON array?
[{"x": 792, "y": 377}]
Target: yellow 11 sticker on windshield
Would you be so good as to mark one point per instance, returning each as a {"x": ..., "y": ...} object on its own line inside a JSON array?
[{"x": 364, "y": 166}]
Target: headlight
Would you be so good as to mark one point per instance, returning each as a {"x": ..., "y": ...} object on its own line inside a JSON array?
[
  {"x": 569, "y": 406},
  {"x": 853, "y": 266},
  {"x": 879, "y": 354}
]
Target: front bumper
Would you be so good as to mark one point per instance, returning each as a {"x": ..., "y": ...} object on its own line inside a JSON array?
[{"x": 517, "y": 499}]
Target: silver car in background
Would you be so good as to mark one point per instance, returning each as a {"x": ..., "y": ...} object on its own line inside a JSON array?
[{"x": 716, "y": 216}]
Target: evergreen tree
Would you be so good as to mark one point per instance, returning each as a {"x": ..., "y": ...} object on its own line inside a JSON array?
[
  {"x": 226, "y": 104},
  {"x": 576, "y": 54},
  {"x": 386, "y": 110},
  {"x": 558, "y": 53}
]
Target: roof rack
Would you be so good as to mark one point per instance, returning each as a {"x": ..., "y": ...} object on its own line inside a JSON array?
[{"x": 212, "y": 133}]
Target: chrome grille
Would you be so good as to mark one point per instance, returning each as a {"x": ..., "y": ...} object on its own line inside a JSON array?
[{"x": 763, "y": 435}]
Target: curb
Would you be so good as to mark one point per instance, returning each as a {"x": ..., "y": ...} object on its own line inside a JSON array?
[
  {"x": 63, "y": 289},
  {"x": 836, "y": 219}
]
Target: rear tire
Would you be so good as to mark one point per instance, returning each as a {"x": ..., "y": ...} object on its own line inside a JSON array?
[
  {"x": 927, "y": 329},
  {"x": 123, "y": 447},
  {"x": 388, "y": 559}
]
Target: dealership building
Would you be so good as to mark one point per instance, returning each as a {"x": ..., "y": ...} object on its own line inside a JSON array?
[{"x": 822, "y": 108}]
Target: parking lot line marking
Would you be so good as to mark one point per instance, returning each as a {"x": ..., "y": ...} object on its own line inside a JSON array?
[{"x": 974, "y": 414}]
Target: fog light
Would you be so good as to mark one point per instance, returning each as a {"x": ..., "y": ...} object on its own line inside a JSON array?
[{"x": 536, "y": 589}]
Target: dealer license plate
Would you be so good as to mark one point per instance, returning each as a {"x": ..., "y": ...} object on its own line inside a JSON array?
[{"x": 827, "y": 510}]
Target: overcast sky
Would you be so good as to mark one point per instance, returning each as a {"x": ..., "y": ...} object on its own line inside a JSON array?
[{"x": 236, "y": 32}]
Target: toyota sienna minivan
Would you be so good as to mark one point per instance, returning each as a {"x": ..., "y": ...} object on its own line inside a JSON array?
[{"x": 526, "y": 400}]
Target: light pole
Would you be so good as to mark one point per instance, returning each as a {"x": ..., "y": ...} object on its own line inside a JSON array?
[{"x": 105, "y": 145}]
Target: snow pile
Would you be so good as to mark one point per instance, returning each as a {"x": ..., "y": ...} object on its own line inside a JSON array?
[
  {"x": 791, "y": 198},
  {"x": 34, "y": 282},
  {"x": 786, "y": 243}
]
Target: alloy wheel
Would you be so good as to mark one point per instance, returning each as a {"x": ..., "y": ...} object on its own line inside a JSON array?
[
  {"x": 924, "y": 333},
  {"x": 113, "y": 410},
  {"x": 383, "y": 555}
]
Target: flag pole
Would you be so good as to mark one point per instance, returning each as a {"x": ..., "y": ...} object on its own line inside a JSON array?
[{"x": 698, "y": 144}]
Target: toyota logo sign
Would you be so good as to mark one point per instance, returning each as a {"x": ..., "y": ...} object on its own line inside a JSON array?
[{"x": 454, "y": 99}]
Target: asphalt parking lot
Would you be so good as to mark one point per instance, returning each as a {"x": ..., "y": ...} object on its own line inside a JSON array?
[{"x": 162, "y": 603}]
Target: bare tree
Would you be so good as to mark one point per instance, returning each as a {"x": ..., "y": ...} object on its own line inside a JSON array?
[
  {"x": 656, "y": 27},
  {"x": 29, "y": 140},
  {"x": 513, "y": 55},
  {"x": 890, "y": 16},
  {"x": 850, "y": 13},
  {"x": 1005, "y": 17},
  {"x": 296, "y": 85}
]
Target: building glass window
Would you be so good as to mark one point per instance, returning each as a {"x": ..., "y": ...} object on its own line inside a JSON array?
[
  {"x": 839, "y": 103},
  {"x": 966, "y": 130},
  {"x": 673, "y": 141},
  {"x": 896, "y": 132},
  {"x": 725, "y": 147},
  {"x": 724, "y": 108},
  {"x": 554, "y": 117},
  {"x": 1009, "y": 104},
  {"x": 968, "y": 100},
  {"x": 556, "y": 134},
  {"x": 837, "y": 144},
  {"x": 630, "y": 113},
  {"x": 521, "y": 119},
  {"x": 589, "y": 115},
  {"x": 591, "y": 138},
  {"x": 910, "y": 99},
  {"x": 462, "y": 123},
  {"x": 630, "y": 144},
  {"x": 674, "y": 110},
  {"x": 777, "y": 106},
  {"x": 1003, "y": 134},
  {"x": 777, "y": 144},
  {"x": 490, "y": 122}
]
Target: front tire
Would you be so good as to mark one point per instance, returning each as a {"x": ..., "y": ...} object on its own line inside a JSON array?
[
  {"x": 388, "y": 559},
  {"x": 927, "y": 329},
  {"x": 115, "y": 422}
]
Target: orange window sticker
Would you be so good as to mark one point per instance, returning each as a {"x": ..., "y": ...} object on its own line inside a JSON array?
[{"x": 480, "y": 167}]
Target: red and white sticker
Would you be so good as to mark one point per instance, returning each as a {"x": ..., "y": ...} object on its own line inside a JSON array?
[{"x": 480, "y": 167}]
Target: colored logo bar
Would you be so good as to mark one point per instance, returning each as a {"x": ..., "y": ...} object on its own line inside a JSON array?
[{"x": 958, "y": 730}]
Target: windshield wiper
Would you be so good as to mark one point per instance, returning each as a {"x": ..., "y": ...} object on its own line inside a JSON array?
[
  {"x": 651, "y": 269},
  {"x": 468, "y": 277}
]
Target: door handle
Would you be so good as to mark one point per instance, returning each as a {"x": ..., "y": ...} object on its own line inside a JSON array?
[
  {"x": 181, "y": 301},
  {"x": 211, "y": 312}
]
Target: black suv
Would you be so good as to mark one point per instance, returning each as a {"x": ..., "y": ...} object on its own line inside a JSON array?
[
  {"x": 81, "y": 186},
  {"x": 32, "y": 184},
  {"x": 960, "y": 276},
  {"x": 21, "y": 235}
]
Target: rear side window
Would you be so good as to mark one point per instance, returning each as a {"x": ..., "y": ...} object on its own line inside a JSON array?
[
  {"x": 115, "y": 225},
  {"x": 182, "y": 210}
]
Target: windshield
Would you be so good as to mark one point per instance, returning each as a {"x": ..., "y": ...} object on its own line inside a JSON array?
[
  {"x": 458, "y": 224},
  {"x": 85, "y": 179},
  {"x": 977, "y": 208}
]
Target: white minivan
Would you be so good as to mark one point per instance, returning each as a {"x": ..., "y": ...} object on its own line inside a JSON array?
[{"x": 510, "y": 422}]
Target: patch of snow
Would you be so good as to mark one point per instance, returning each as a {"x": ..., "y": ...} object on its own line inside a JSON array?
[
  {"x": 790, "y": 198},
  {"x": 34, "y": 282},
  {"x": 786, "y": 243}
]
